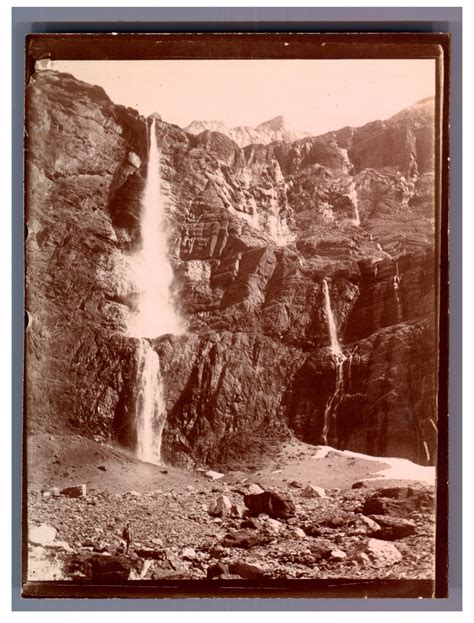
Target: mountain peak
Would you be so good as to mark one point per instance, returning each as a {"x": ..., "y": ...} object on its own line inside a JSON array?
[{"x": 275, "y": 124}]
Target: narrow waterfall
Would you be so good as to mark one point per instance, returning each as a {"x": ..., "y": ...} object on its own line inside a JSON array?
[
  {"x": 396, "y": 291},
  {"x": 335, "y": 346},
  {"x": 355, "y": 205},
  {"x": 339, "y": 357},
  {"x": 427, "y": 451},
  {"x": 155, "y": 312},
  {"x": 335, "y": 399}
]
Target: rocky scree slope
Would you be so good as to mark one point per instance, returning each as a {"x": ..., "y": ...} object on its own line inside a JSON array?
[{"x": 253, "y": 234}]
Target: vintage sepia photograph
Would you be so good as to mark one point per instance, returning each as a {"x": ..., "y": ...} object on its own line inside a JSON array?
[{"x": 233, "y": 296}]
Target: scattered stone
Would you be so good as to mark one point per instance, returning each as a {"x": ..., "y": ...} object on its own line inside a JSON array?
[
  {"x": 220, "y": 507},
  {"x": 298, "y": 533},
  {"x": 237, "y": 510},
  {"x": 55, "y": 492},
  {"x": 360, "y": 484},
  {"x": 273, "y": 525},
  {"x": 246, "y": 570},
  {"x": 77, "y": 491},
  {"x": 189, "y": 553},
  {"x": 158, "y": 542},
  {"x": 392, "y": 528},
  {"x": 321, "y": 551},
  {"x": 312, "y": 530},
  {"x": 398, "y": 501},
  {"x": 46, "y": 495},
  {"x": 365, "y": 525},
  {"x": 42, "y": 534},
  {"x": 103, "y": 468},
  {"x": 334, "y": 522},
  {"x": 251, "y": 522},
  {"x": 270, "y": 502},
  {"x": 177, "y": 564},
  {"x": 133, "y": 494},
  {"x": 217, "y": 551},
  {"x": 296, "y": 484},
  {"x": 382, "y": 553},
  {"x": 213, "y": 475},
  {"x": 245, "y": 538},
  {"x": 149, "y": 552},
  {"x": 313, "y": 492},
  {"x": 338, "y": 555},
  {"x": 99, "y": 568},
  {"x": 216, "y": 570},
  {"x": 255, "y": 489}
]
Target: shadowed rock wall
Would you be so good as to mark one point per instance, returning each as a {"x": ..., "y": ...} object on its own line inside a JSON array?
[{"x": 253, "y": 233}]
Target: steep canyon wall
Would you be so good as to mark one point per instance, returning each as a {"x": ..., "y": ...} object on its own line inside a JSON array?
[{"x": 254, "y": 232}]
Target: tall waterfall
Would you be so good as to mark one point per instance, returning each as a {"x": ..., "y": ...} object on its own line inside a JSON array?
[
  {"x": 335, "y": 346},
  {"x": 339, "y": 357},
  {"x": 152, "y": 273},
  {"x": 155, "y": 313}
]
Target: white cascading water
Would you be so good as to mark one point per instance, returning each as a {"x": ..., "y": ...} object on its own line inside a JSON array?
[
  {"x": 155, "y": 313},
  {"x": 396, "y": 290},
  {"x": 152, "y": 273},
  {"x": 335, "y": 346},
  {"x": 339, "y": 358},
  {"x": 150, "y": 407},
  {"x": 355, "y": 204}
]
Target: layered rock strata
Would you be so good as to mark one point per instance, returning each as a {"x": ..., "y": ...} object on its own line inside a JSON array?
[{"x": 253, "y": 234}]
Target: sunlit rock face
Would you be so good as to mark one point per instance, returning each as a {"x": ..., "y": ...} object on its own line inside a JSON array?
[{"x": 252, "y": 235}]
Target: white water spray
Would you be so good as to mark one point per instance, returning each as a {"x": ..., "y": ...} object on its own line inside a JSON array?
[
  {"x": 150, "y": 405},
  {"x": 355, "y": 204},
  {"x": 335, "y": 400},
  {"x": 335, "y": 346},
  {"x": 155, "y": 312},
  {"x": 152, "y": 273},
  {"x": 336, "y": 397}
]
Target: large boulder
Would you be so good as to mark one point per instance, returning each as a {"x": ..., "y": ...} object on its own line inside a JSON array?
[
  {"x": 271, "y": 503},
  {"x": 392, "y": 528},
  {"x": 381, "y": 553},
  {"x": 75, "y": 491},
  {"x": 220, "y": 507},
  {"x": 100, "y": 569},
  {"x": 399, "y": 501}
]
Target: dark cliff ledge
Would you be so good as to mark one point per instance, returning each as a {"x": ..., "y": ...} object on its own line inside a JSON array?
[{"x": 253, "y": 233}]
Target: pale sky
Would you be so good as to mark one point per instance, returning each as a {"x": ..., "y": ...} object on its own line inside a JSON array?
[{"x": 314, "y": 95}]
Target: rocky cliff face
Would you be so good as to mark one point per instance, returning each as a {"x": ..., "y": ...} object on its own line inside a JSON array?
[
  {"x": 253, "y": 234},
  {"x": 275, "y": 129}
]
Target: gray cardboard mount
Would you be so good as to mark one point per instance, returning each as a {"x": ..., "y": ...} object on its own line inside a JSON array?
[{"x": 250, "y": 19}]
